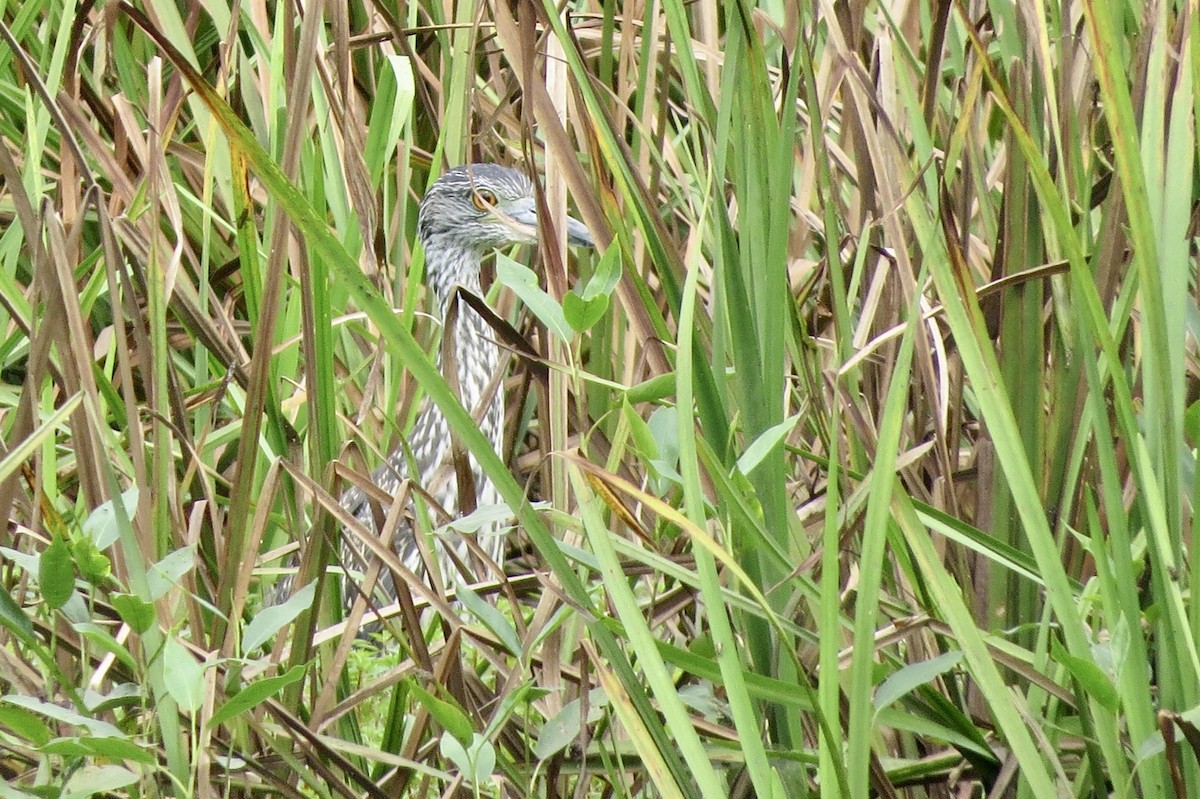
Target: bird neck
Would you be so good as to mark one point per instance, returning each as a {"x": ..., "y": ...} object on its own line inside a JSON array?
[
  {"x": 447, "y": 267},
  {"x": 477, "y": 354}
]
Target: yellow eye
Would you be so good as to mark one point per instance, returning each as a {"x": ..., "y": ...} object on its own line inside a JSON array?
[{"x": 483, "y": 199}]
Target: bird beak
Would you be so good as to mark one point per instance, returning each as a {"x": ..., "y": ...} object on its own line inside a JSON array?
[{"x": 524, "y": 213}]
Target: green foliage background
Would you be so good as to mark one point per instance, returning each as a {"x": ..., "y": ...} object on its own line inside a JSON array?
[{"x": 859, "y": 460}]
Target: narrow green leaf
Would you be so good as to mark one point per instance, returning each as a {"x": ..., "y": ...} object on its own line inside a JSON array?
[
  {"x": 389, "y": 113},
  {"x": 254, "y": 694},
  {"x": 767, "y": 441},
  {"x": 1092, "y": 679},
  {"x": 22, "y": 452},
  {"x": 907, "y": 679},
  {"x": 273, "y": 618},
  {"x": 491, "y": 617},
  {"x": 449, "y": 715}
]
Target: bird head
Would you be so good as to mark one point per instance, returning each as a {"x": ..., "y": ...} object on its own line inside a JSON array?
[{"x": 484, "y": 206}]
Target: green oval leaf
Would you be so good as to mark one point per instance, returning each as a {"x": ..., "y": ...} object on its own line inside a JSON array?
[
  {"x": 581, "y": 314},
  {"x": 94, "y": 566},
  {"x": 24, "y": 725},
  {"x": 101, "y": 638},
  {"x": 13, "y": 618},
  {"x": 606, "y": 276},
  {"x": 111, "y": 748},
  {"x": 56, "y": 573},
  {"x": 1092, "y": 679},
  {"x": 165, "y": 575},
  {"x": 133, "y": 611},
  {"x": 92, "y": 780}
]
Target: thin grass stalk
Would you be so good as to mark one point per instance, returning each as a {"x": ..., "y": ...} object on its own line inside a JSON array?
[
  {"x": 1023, "y": 347},
  {"x": 966, "y": 323},
  {"x": 1002, "y": 428},
  {"x": 641, "y": 639},
  {"x": 745, "y": 714},
  {"x": 882, "y": 483},
  {"x": 750, "y": 266}
]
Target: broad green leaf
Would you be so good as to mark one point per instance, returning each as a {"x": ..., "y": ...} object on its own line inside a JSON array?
[
  {"x": 101, "y": 637},
  {"x": 453, "y": 750},
  {"x": 1092, "y": 679},
  {"x": 605, "y": 278},
  {"x": 483, "y": 759},
  {"x": 557, "y": 733},
  {"x": 639, "y": 431},
  {"x": 655, "y": 389},
  {"x": 109, "y": 748},
  {"x": 664, "y": 426},
  {"x": 476, "y": 763},
  {"x": 124, "y": 695},
  {"x": 24, "y": 724},
  {"x": 701, "y": 698},
  {"x": 93, "y": 780},
  {"x": 13, "y": 618},
  {"x": 581, "y": 314},
  {"x": 93, "y": 565}
]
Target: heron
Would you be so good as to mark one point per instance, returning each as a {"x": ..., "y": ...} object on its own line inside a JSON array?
[{"x": 467, "y": 213}]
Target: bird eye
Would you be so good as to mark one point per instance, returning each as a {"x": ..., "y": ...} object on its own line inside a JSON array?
[{"x": 483, "y": 199}]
